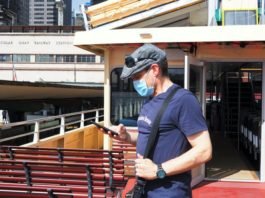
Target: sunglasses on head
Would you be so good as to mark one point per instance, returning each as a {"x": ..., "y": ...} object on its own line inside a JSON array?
[{"x": 131, "y": 62}]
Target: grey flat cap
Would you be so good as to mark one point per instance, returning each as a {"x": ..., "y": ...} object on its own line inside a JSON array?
[{"x": 143, "y": 57}]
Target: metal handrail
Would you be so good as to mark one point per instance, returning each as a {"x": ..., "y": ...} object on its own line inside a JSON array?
[{"x": 61, "y": 124}]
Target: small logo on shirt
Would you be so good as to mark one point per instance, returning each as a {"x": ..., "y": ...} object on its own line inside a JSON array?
[{"x": 145, "y": 119}]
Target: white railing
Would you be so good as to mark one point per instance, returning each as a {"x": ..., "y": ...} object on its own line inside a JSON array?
[{"x": 60, "y": 122}]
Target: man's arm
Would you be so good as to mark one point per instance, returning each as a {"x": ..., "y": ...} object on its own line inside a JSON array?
[
  {"x": 200, "y": 152},
  {"x": 131, "y": 137}
]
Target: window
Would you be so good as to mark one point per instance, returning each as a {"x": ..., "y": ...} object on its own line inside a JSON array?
[
  {"x": 38, "y": 9},
  {"x": 240, "y": 17},
  {"x": 86, "y": 58},
  {"x": 5, "y": 57},
  {"x": 44, "y": 58},
  {"x": 125, "y": 101},
  {"x": 38, "y": 22},
  {"x": 21, "y": 58},
  {"x": 65, "y": 58}
]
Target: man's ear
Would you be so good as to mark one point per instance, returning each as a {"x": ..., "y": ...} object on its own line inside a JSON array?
[{"x": 156, "y": 69}]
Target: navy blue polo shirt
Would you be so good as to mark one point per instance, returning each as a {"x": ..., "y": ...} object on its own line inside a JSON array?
[{"x": 182, "y": 118}]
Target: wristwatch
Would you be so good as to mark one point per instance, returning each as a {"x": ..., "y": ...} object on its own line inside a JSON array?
[{"x": 161, "y": 173}]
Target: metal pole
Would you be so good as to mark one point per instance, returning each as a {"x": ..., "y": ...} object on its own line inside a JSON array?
[
  {"x": 262, "y": 141},
  {"x": 14, "y": 76},
  {"x": 212, "y": 6},
  {"x": 62, "y": 130},
  {"x": 82, "y": 122},
  {"x": 83, "y": 11},
  {"x": 186, "y": 72},
  {"x": 36, "y": 136},
  {"x": 262, "y": 12}
]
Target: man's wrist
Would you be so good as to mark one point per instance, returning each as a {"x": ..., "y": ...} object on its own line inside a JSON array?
[{"x": 160, "y": 173}]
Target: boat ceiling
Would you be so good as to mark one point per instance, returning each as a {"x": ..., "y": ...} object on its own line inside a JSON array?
[{"x": 13, "y": 90}]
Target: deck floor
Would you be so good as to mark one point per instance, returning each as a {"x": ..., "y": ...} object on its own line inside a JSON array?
[
  {"x": 228, "y": 163},
  {"x": 229, "y": 190}
]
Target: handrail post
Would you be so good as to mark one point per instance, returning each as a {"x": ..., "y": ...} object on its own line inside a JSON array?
[
  {"x": 82, "y": 122},
  {"x": 62, "y": 131},
  {"x": 36, "y": 136},
  {"x": 97, "y": 116}
]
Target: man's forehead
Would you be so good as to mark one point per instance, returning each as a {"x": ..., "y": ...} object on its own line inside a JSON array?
[{"x": 139, "y": 74}]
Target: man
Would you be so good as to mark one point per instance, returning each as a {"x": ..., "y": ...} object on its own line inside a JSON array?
[{"x": 183, "y": 139}]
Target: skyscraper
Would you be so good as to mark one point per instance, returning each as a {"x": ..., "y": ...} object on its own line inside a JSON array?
[
  {"x": 13, "y": 12},
  {"x": 44, "y": 12},
  {"x": 34, "y": 12},
  {"x": 22, "y": 9}
]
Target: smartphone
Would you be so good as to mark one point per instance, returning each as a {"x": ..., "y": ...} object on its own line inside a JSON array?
[{"x": 104, "y": 128}]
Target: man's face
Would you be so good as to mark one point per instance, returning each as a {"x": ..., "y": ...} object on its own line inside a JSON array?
[{"x": 139, "y": 75}]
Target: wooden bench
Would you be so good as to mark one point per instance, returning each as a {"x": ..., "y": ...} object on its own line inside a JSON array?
[
  {"x": 95, "y": 172},
  {"x": 18, "y": 190},
  {"x": 129, "y": 153},
  {"x": 79, "y": 178}
]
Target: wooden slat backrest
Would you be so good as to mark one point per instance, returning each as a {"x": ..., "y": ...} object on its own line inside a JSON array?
[
  {"x": 129, "y": 154},
  {"x": 61, "y": 155},
  {"x": 67, "y": 172}
]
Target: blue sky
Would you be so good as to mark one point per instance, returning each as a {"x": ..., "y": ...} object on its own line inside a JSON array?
[{"x": 76, "y": 3}]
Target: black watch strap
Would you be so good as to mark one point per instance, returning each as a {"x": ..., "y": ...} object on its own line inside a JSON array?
[{"x": 161, "y": 173}]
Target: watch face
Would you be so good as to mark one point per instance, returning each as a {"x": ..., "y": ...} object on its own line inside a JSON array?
[{"x": 161, "y": 174}]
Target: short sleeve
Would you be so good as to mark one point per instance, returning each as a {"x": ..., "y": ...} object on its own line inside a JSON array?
[{"x": 188, "y": 115}]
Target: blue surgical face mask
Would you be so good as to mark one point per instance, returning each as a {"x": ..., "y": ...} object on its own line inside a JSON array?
[{"x": 141, "y": 87}]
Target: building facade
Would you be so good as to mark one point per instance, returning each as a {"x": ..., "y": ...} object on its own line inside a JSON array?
[{"x": 37, "y": 57}]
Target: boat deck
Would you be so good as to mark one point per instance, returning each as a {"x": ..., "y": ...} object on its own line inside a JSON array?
[{"x": 229, "y": 190}]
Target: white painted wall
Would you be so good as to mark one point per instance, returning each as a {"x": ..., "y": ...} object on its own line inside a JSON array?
[
  {"x": 239, "y": 4},
  {"x": 49, "y": 43},
  {"x": 28, "y": 43}
]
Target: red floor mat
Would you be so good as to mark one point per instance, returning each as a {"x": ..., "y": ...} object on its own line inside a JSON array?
[{"x": 229, "y": 190}]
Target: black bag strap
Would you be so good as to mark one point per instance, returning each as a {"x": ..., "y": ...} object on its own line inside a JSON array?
[
  {"x": 153, "y": 134},
  {"x": 154, "y": 131}
]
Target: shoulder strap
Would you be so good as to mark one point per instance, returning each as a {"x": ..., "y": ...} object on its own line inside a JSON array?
[{"x": 154, "y": 131}]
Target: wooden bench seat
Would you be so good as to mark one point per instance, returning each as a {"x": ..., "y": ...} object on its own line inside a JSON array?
[
  {"x": 78, "y": 178},
  {"x": 89, "y": 173},
  {"x": 21, "y": 190},
  {"x": 18, "y": 190},
  {"x": 73, "y": 173}
]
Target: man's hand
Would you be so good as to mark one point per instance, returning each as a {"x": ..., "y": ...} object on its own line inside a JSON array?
[
  {"x": 145, "y": 168},
  {"x": 123, "y": 135}
]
